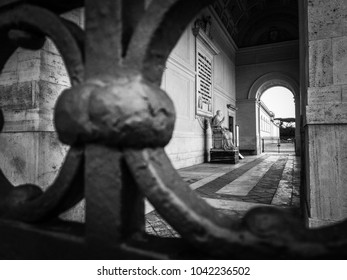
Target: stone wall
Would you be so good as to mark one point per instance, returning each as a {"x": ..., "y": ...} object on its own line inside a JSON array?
[
  {"x": 188, "y": 143},
  {"x": 326, "y": 112},
  {"x": 30, "y": 84}
]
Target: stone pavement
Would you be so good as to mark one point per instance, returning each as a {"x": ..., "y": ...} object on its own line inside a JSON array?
[{"x": 266, "y": 179}]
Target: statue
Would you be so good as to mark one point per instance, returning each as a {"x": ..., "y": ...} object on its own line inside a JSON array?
[
  {"x": 217, "y": 120},
  {"x": 228, "y": 140},
  {"x": 222, "y": 137},
  {"x": 205, "y": 24}
]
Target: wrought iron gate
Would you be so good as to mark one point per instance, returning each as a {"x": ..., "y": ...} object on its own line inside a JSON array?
[
  {"x": 117, "y": 121},
  {"x": 272, "y": 145}
]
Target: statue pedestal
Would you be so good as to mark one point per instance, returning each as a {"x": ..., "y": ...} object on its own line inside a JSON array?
[
  {"x": 217, "y": 138},
  {"x": 220, "y": 155}
]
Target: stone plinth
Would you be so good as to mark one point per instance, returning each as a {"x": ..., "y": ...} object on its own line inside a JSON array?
[
  {"x": 220, "y": 155},
  {"x": 217, "y": 138}
]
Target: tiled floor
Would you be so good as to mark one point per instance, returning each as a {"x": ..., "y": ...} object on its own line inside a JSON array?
[{"x": 267, "y": 179}]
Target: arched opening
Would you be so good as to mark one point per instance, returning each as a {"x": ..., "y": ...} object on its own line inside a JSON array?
[
  {"x": 262, "y": 85},
  {"x": 277, "y": 129}
]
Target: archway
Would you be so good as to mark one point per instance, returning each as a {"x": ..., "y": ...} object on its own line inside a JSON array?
[
  {"x": 268, "y": 81},
  {"x": 278, "y": 109}
]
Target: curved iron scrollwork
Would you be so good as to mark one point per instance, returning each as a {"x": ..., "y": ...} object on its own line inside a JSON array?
[
  {"x": 24, "y": 25},
  {"x": 117, "y": 121}
]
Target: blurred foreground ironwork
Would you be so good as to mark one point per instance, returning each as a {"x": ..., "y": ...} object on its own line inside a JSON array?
[{"x": 117, "y": 120}]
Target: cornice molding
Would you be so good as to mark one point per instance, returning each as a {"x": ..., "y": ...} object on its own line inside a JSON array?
[{"x": 225, "y": 32}]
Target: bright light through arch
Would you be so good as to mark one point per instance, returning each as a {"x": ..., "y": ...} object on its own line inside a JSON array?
[{"x": 280, "y": 101}]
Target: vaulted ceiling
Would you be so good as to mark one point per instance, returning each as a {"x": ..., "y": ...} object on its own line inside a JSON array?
[{"x": 257, "y": 22}]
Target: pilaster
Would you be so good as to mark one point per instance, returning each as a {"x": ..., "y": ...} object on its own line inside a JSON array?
[{"x": 326, "y": 112}]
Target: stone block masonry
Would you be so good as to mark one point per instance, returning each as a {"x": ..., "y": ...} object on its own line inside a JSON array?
[
  {"x": 326, "y": 112},
  {"x": 30, "y": 83}
]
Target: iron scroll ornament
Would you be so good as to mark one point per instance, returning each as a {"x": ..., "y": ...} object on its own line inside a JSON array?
[
  {"x": 27, "y": 202},
  {"x": 117, "y": 121}
]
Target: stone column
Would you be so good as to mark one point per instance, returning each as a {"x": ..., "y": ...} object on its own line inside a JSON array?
[
  {"x": 208, "y": 139},
  {"x": 326, "y": 112},
  {"x": 297, "y": 125}
]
